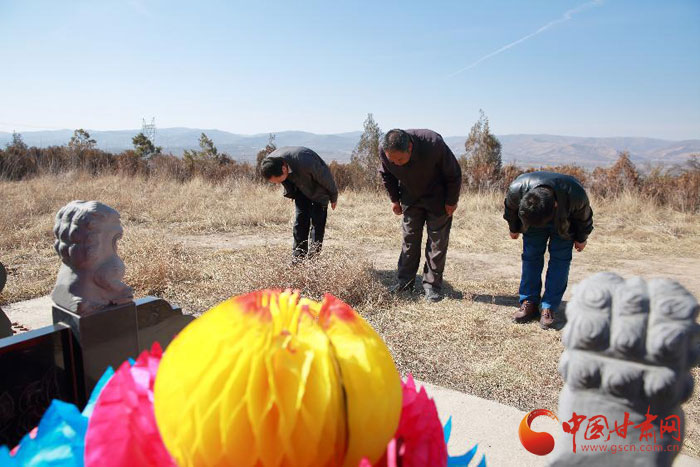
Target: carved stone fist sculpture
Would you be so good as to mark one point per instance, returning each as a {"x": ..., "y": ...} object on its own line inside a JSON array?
[
  {"x": 91, "y": 273},
  {"x": 629, "y": 346}
]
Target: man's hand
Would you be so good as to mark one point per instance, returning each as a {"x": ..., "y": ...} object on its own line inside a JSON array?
[
  {"x": 514, "y": 235},
  {"x": 579, "y": 245},
  {"x": 450, "y": 209},
  {"x": 396, "y": 207},
  {"x": 333, "y": 205}
]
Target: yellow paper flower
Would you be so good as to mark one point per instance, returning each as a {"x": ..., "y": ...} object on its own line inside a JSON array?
[{"x": 270, "y": 379}]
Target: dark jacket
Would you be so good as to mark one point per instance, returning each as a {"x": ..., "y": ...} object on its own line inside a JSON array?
[
  {"x": 431, "y": 176},
  {"x": 573, "y": 218},
  {"x": 308, "y": 173}
]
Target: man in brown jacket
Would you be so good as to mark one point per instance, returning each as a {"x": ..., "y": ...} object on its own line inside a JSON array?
[{"x": 423, "y": 179}]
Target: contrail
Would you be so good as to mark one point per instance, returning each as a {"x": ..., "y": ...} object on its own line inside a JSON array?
[{"x": 565, "y": 17}]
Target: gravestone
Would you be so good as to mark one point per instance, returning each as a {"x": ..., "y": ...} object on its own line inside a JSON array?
[
  {"x": 5, "y": 323},
  {"x": 629, "y": 347},
  {"x": 3, "y": 276},
  {"x": 36, "y": 367},
  {"x": 112, "y": 335}
]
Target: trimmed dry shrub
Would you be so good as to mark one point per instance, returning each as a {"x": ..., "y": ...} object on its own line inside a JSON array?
[
  {"x": 131, "y": 164},
  {"x": 352, "y": 176},
  {"x": 218, "y": 169},
  {"x": 481, "y": 176},
  {"x": 339, "y": 272},
  {"x": 167, "y": 166},
  {"x": 16, "y": 164},
  {"x": 622, "y": 176},
  {"x": 681, "y": 191},
  {"x": 154, "y": 264},
  {"x": 510, "y": 172}
]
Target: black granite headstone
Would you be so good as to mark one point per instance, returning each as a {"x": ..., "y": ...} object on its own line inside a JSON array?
[
  {"x": 106, "y": 338},
  {"x": 64, "y": 361},
  {"x": 5, "y": 323},
  {"x": 36, "y": 367},
  {"x": 3, "y": 276}
]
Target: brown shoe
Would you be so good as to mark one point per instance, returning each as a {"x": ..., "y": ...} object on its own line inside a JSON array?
[
  {"x": 546, "y": 318},
  {"x": 526, "y": 312}
]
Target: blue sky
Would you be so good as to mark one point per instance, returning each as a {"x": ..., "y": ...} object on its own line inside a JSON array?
[{"x": 570, "y": 67}]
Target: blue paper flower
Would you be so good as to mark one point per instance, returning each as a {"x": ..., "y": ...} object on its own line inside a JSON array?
[
  {"x": 464, "y": 459},
  {"x": 60, "y": 435}
]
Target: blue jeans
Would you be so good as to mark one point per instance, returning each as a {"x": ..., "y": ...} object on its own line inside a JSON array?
[{"x": 534, "y": 246}]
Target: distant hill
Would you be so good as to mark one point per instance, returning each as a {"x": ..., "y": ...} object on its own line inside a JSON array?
[
  {"x": 525, "y": 150},
  {"x": 529, "y": 150}
]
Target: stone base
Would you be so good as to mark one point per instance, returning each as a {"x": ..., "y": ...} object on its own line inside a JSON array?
[
  {"x": 106, "y": 338},
  {"x": 158, "y": 321}
]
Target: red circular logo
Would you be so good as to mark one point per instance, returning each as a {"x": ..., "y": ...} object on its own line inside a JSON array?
[{"x": 540, "y": 443}]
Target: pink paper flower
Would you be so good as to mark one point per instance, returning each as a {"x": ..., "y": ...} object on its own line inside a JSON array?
[
  {"x": 122, "y": 429},
  {"x": 419, "y": 439}
]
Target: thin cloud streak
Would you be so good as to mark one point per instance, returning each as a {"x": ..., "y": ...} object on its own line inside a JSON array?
[{"x": 565, "y": 17}]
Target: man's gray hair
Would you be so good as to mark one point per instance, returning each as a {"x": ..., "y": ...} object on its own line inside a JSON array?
[{"x": 396, "y": 140}]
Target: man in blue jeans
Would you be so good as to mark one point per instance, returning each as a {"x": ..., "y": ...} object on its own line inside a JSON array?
[{"x": 546, "y": 207}]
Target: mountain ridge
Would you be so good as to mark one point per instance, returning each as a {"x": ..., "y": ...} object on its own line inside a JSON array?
[{"x": 523, "y": 149}]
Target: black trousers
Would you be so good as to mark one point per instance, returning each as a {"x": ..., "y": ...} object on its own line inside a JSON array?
[
  {"x": 415, "y": 218},
  {"x": 309, "y": 226}
]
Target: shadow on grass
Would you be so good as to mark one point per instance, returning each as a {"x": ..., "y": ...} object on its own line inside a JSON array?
[
  {"x": 387, "y": 277},
  {"x": 513, "y": 301},
  {"x": 500, "y": 300},
  {"x": 560, "y": 317}
]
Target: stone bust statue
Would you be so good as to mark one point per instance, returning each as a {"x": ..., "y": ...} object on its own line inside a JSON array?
[{"x": 91, "y": 273}]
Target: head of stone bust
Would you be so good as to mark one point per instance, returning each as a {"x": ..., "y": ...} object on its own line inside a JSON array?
[{"x": 86, "y": 235}]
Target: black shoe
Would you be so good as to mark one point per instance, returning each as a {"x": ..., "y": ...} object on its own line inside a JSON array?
[
  {"x": 401, "y": 287},
  {"x": 433, "y": 295}
]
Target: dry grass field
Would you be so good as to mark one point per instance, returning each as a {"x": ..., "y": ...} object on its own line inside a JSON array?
[{"x": 196, "y": 244}]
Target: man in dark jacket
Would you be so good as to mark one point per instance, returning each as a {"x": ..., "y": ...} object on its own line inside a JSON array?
[
  {"x": 423, "y": 179},
  {"x": 308, "y": 181},
  {"x": 546, "y": 206}
]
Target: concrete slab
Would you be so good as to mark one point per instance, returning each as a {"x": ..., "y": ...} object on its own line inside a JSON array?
[
  {"x": 494, "y": 427},
  {"x": 32, "y": 314}
]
